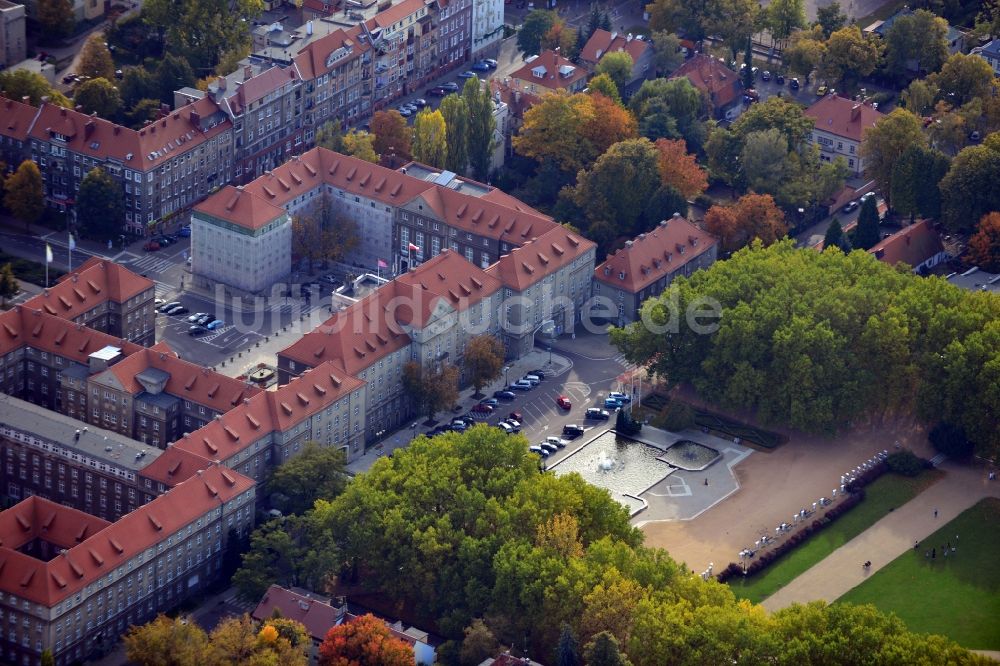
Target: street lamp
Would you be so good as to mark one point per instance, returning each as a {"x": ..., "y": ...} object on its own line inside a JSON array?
[{"x": 506, "y": 376}]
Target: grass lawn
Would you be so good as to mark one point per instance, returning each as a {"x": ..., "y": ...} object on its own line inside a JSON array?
[
  {"x": 884, "y": 494},
  {"x": 957, "y": 596}
]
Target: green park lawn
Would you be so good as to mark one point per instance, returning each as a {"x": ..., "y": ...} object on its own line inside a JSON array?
[
  {"x": 957, "y": 596},
  {"x": 884, "y": 494}
]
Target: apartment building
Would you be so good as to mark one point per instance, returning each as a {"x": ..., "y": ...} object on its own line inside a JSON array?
[
  {"x": 840, "y": 128},
  {"x": 163, "y": 168},
  {"x": 240, "y": 241},
  {"x": 17, "y": 120},
  {"x": 406, "y": 49},
  {"x": 13, "y": 45},
  {"x": 49, "y": 455},
  {"x": 73, "y": 583},
  {"x": 549, "y": 72},
  {"x": 106, "y": 297},
  {"x": 546, "y": 282},
  {"x": 650, "y": 262},
  {"x": 427, "y": 315},
  {"x": 455, "y": 32},
  {"x": 487, "y": 27}
]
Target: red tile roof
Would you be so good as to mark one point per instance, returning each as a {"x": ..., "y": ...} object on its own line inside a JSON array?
[
  {"x": 315, "y": 615},
  {"x": 259, "y": 86},
  {"x": 552, "y": 78},
  {"x": 450, "y": 277},
  {"x": 174, "y": 466},
  {"x": 603, "y": 42},
  {"x": 17, "y": 119},
  {"x": 311, "y": 61},
  {"x": 540, "y": 257},
  {"x": 184, "y": 129},
  {"x": 240, "y": 207},
  {"x": 95, "y": 282},
  {"x": 912, "y": 245},
  {"x": 516, "y": 99},
  {"x": 720, "y": 84},
  {"x": 22, "y": 326},
  {"x": 654, "y": 255},
  {"x": 843, "y": 117},
  {"x": 187, "y": 381},
  {"x": 99, "y": 552},
  {"x": 396, "y": 13},
  {"x": 39, "y": 518}
]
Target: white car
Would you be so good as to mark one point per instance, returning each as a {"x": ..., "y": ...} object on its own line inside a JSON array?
[{"x": 620, "y": 397}]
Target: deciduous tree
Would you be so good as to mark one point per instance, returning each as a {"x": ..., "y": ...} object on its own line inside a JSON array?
[
  {"x": 23, "y": 193},
  {"x": 671, "y": 109},
  {"x": 19, "y": 83},
  {"x": 95, "y": 59},
  {"x": 918, "y": 98},
  {"x": 56, "y": 18},
  {"x": 968, "y": 190},
  {"x": 620, "y": 184},
  {"x": 478, "y": 644},
  {"x": 850, "y": 55},
  {"x": 679, "y": 169},
  {"x": 203, "y": 30},
  {"x": 883, "y": 145},
  {"x": 482, "y": 360},
  {"x": 535, "y": 25},
  {"x": 100, "y": 206},
  {"x": 805, "y": 52},
  {"x": 617, "y": 65},
  {"x": 173, "y": 72},
  {"x": 830, "y": 18},
  {"x": 307, "y": 238},
  {"x": 784, "y": 17},
  {"x": 757, "y": 218},
  {"x": 456, "y": 122},
  {"x": 603, "y": 84},
  {"x": 392, "y": 134},
  {"x": 99, "y": 96},
  {"x": 551, "y": 131},
  {"x": 330, "y": 135},
  {"x": 366, "y": 640},
  {"x": 607, "y": 124},
  {"x": 360, "y": 145},
  {"x": 431, "y": 389},
  {"x": 917, "y": 41},
  {"x": 963, "y": 78},
  {"x": 667, "y": 49},
  {"x": 9, "y": 285},
  {"x": 984, "y": 246},
  {"x": 482, "y": 125},
  {"x": 138, "y": 83},
  {"x": 288, "y": 551},
  {"x": 916, "y": 177},
  {"x": 166, "y": 642},
  {"x": 318, "y": 472},
  {"x": 430, "y": 141}
]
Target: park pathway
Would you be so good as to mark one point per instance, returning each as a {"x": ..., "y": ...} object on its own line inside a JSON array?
[{"x": 841, "y": 571}]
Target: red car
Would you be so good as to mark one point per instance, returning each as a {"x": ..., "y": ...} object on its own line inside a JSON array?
[
  {"x": 151, "y": 246},
  {"x": 516, "y": 416},
  {"x": 483, "y": 409},
  {"x": 564, "y": 402}
]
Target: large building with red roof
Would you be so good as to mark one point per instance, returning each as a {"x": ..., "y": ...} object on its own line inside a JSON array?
[
  {"x": 649, "y": 263},
  {"x": 917, "y": 245},
  {"x": 841, "y": 124},
  {"x": 550, "y": 72}
]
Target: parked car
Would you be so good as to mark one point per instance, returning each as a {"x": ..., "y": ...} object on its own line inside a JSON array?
[
  {"x": 539, "y": 451},
  {"x": 516, "y": 416},
  {"x": 597, "y": 414},
  {"x": 974, "y": 135},
  {"x": 450, "y": 86},
  {"x": 405, "y": 111},
  {"x": 531, "y": 379},
  {"x": 506, "y": 428},
  {"x": 564, "y": 402},
  {"x": 215, "y": 324},
  {"x": 491, "y": 62},
  {"x": 193, "y": 319},
  {"x": 558, "y": 441},
  {"x": 179, "y": 310},
  {"x": 458, "y": 426},
  {"x": 184, "y": 232},
  {"x": 492, "y": 402},
  {"x": 780, "y": 79},
  {"x": 620, "y": 397},
  {"x": 537, "y": 373},
  {"x": 169, "y": 306},
  {"x": 197, "y": 330},
  {"x": 481, "y": 66},
  {"x": 572, "y": 431},
  {"x": 482, "y": 408},
  {"x": 437, "y": 91},
  {"x": 204, "y": 319},
  {"x": 850, "y": 206},
  {"x": 467, "y": 419},
  {"x": 822, "y": 90},
  {"x": 330, "y": 279},
  {"x": 765, "y": 75},
  {"x": 551, "y": 448},
  {"x": 793, "y": 83},
  {"x": 521, "y": 385},
  {"x": 611, "y": 403},
  {"x": 419, "y": 102},
  {"x": 151, "y": 246},
  {"x": 157, "y": 302},
  {"x": 468, "y": 74},
  {"x": 504, "y": 395}
]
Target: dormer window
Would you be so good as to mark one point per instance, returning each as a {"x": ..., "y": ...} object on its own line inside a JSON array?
[
  {"x": 607, "y": 270},
  {"x": 621, "y": 275}
]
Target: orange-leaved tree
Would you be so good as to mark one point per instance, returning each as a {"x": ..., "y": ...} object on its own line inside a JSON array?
[
  {"x": 984, "y": 246},
  {"x": 754, "y": 216},
  {"x": 366, "y": 640},
  {"x": 679, "y": 169},
  {"x": 391, "y": 133}
]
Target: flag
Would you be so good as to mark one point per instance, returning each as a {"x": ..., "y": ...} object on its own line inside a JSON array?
[
  {"x": 72, "y": 243},
  {"x": 414, "y": 248},
  {"x": 382, "y": 264},
  {"x": 48, "y": 254}
]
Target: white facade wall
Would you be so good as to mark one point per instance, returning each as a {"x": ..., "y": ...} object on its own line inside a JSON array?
[
  {"x": 487, "y": 26},
  {"x": 832, "y": 146},
  {"x": 374, "y": 222},
  {"x": 250, "y": 261}
]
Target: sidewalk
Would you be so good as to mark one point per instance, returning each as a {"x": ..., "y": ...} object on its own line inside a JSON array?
[
  {"x": 536, "y": 358},
  {"x": 889, "y": 538}
]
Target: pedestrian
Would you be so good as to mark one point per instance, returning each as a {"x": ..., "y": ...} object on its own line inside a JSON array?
[
  {"x": 933, "y": 553},
  {"x": 935, "y": 512},
  {"x": 916, "y": 544},
  {"x": 706, "y": 481},
  {"x": 948, "y": 546}
]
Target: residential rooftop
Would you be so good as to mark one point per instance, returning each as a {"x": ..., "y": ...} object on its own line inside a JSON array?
[{"x": 843, "y": 117}]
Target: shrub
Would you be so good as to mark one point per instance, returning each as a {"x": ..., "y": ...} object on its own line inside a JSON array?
[
  {"x": 904, "y": 462},
  {"x": 951, "y": 440},
  {"x": 676, "y": 416}
]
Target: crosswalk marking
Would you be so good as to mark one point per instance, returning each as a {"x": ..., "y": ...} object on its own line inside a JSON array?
[
  {"x": 620, "y": 359},
  {"x": 151, "y": 263}
]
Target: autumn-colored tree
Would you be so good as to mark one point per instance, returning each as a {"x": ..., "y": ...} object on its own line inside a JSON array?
[
  {"x": 482, "y": 360},
  {"x": 99, "y": 96},
  {"x": 23, "y": 193},
  {"x": 430, "y": 138},
  {"x": 679, "y": 169},
  {"x": 360, "y": 145},
  {"x": 166, "y": 642},
  {"x": 56, "y": 18},
  {"x": 478, "y": 644},
  {"x": 560, "y": 535},
  {"x": 608, "y": 124},
  {"x": 617, "y": 65},
  {"x": 984, "y": 246},
  {"x": 754, "y": 216},
  {"x": 431, "y": 389},
  {"x": 9, "y": 285},
  {"x": 849, "y": 55},
  {"x": 392, "y": 134},
  {"x": 562, "y": 37},
  {"x": 95, "y": 59},
  {"x": 307, "y": 238},
  {"x": 366, "y": 640},
  {"x": 550, "y": 131},
  {"x": 241, "y": 640}
]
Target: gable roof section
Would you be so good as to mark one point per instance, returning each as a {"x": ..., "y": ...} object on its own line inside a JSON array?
[
  {"x": 912, "y": 245},
  {"x": 720, "y": 84},
  {"x": 843, "y": 117},
  {"x": 316, "y": 615},
  {"x": 238, "y": 206},
  {"x": 311, "y": 61},
  {"x": 174, "y": 465},
  {"x": 554, "y": 65},
  {"x": 99, "y": 553},
  {"x": 17, "y": 118},
  {"x": 653, "y": 255},
  {"x": 38, "y": 518},
  {"x": 539, "y": 258},
  {"x": 96, "y": 281},
  {"x": 39, "y": 329},
  {"x": 259, "y": 86},
  {"x": 448, "y": 276},
  {"x": 603, "y": 42},
  {"x": 396, "y": 13}
]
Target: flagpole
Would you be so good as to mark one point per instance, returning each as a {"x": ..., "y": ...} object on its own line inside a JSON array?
[{"x": 69, "y": 252}]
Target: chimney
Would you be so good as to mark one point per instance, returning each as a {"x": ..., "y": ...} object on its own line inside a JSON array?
[
  {"x": 195, "y": 118},
  {"x": 26, "y": 100},
  {"x": 117, "y": 129},
  {"x": 247, "y": 72},
  {"x": 89, "y": 128},
  {"x": 855, "y": 112}
]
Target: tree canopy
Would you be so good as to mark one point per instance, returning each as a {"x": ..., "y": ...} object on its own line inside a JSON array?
[
  {"x": 811, "y": 366},
  {"x": 430, "y": 141},
  {"x": 318, "y": 472},
  {"x": 366, "y": 640},
  {"x": 885, "y": 143},
  {"x": 968, "y": 190},
  {"x": 984, "y": 246},
  {"x": 483, "y": 360},
  {"x": 100, "y": 205},
  {"x": 203, "y": 30},
  {"x": 19, "y": 83},
  {"x": 392, "y": 134}
]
